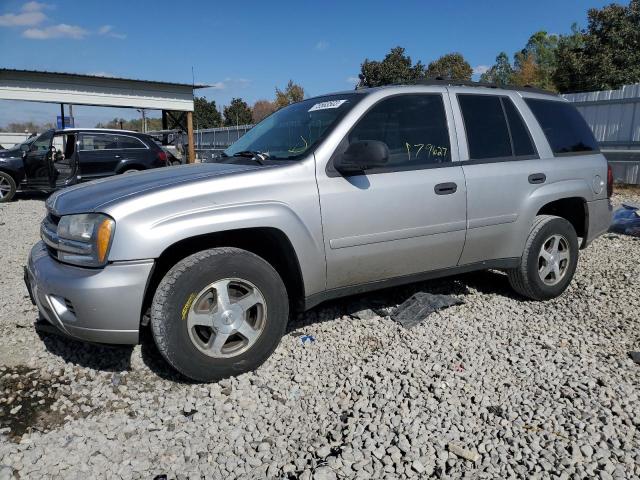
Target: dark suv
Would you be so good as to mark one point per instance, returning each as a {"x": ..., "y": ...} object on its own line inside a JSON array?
[{"x": 59, "y": 158}]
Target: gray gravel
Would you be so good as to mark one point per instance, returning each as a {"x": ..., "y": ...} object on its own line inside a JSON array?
[{"x": 495, "y": 388}]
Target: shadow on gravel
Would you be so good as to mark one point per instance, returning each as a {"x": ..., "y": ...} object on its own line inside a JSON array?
[
  {"x": 383, "y": 301},
  {"x": 31, "y": 196},
  {"x": 106, "y": 358}
]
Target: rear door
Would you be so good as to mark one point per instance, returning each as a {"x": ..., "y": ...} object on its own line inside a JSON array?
[
  {"x": 133, "y": 152},
  {"x": 98, "y": 155},
  {"x": 502, "y": 169},
  {"x": 397, "y": 220}
]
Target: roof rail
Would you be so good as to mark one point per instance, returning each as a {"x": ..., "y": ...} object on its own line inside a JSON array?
[{"x": 466, "y": 83}]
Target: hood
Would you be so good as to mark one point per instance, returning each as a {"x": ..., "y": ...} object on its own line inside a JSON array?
[
  {"x": 90, "y": 197},
  {"x": 11, "y": 152}
]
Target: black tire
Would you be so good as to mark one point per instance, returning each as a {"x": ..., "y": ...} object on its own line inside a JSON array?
[
  {"x": 175, "y": 294},
  {"x": 525, "y": 279},
  {"x": 7, "y": 182},
  {"x": 130, "y": 170}
]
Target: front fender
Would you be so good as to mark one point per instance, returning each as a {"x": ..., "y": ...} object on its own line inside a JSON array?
[{"x": 149, "y": 240}]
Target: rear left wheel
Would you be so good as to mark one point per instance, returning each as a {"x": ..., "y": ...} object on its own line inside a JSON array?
[
  {"x": 219, "y": 312},
  {"x": 7, "y": 187},
  {"x": 549, "y": 259}
]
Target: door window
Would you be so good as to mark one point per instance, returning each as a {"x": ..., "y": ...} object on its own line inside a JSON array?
[
  {"x": 486, "y": 126},
  {"x": 494, "y": 128},
  {"x": 522, "y": 143},
  {"x": 130, "y": 142},
  {"x": 414, "y": 128},
  {"x": 564, "y": 127},
  {"x": 42, "y": 143},
  {"x": 99, "y": 141}
]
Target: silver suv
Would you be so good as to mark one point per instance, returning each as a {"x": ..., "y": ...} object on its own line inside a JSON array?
[{"x": 328, "y": 197}]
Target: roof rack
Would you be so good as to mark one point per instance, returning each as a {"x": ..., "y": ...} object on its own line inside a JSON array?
[{"x": 466, "y": 83}]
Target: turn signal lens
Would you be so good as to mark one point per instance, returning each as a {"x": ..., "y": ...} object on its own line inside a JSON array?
[{"x": 103, "y": 239}]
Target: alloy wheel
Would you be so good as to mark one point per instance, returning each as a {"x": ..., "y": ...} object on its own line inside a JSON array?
[{"x": 226, "y": 318}]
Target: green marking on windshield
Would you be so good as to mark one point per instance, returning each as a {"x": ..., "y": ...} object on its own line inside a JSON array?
[{"x": 299, "y": 149}]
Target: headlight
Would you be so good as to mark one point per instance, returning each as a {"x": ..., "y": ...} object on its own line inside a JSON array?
[{"x": 82, "y": 239}]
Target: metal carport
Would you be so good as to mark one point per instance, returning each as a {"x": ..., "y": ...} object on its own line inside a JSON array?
[{"x": 174, "y": 99}]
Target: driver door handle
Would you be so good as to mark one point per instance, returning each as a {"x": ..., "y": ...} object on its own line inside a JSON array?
[{"x": 445, "y": 188}]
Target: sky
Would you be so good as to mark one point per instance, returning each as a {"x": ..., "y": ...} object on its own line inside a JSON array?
[{"x": 247, "y": 48}]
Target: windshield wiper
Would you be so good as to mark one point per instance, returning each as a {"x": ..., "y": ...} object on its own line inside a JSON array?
[{"x": 256, "y": 155}]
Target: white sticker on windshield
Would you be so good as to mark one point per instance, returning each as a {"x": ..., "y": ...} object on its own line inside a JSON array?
[{"x": 327, "y": 105}]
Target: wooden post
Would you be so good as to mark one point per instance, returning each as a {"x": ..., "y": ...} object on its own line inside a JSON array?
[{"x": 192, "y": 150}]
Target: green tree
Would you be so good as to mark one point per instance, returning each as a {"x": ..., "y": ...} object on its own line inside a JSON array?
[
  {"x": 205, "y": 113},
  {"x": 604, "y": 56},
  {"x": 535, "y": 64},
  {"x": 396, "y": 67},
  {"x": 292, "y": 93},
  {"x": 237, "y": 113},
  {"x": 500, "y": 73},
  {"x": 451, "y": 66}
]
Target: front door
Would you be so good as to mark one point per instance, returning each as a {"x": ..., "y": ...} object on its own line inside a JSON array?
[
  {"x": 64, "y": 159},
  {"x": 37, "y": 162},
  {"x": 407, "y": 217}
]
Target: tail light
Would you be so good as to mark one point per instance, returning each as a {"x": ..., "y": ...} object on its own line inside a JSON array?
[
  {"x": 162, "y": 156},
  {"x": 609, "y": 181}
]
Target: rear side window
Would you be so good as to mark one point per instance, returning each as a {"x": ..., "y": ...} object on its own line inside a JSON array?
[
  {"x": 564, "y": 127},
  {"x": 98, "y": 141},
  {"x": 494, "y": 128},
  {"x": 130, "y": 142},
  {"x": 414, "y": 127}
]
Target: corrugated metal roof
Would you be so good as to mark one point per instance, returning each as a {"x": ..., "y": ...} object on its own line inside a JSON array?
[{"x": 104, "y": 77}]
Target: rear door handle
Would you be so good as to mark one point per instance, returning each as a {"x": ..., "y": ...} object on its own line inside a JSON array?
[
  {"x": 445, "y": 188},
  {"x": 537, "y": 178},
  {"x": 116, "y": 156}
]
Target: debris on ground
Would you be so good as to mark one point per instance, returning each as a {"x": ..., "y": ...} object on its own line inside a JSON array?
[
  {"x": 417, "y": 308},
  {"x": 458, "y": 451},
  {"x": 635, "y": 356},
  {"x": 307, "y": 339},
  {"x": 626, "y": 220}
]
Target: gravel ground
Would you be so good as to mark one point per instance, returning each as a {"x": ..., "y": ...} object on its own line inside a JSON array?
[{"x": 497, "y": 387}]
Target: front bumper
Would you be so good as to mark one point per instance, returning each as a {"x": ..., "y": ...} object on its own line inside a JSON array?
[{"x": 102, "y": 306}]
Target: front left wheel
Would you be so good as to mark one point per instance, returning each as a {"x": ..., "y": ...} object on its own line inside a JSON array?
[
  {"x": 218, "y": 313},
  {"x": 7, "y": 187}
]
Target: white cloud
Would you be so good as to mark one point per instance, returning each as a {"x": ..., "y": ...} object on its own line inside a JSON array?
[
  {"x": 30, "y": 16},
  {"x": 61, "y": 30},
  {"x": 353, "y": 80},
  {"x": 26, "y": 19},
  {"x": 108, "y": 31},
  {"x": 35, "y": 6},
  {"x": 101, "y": 74},
  {"x": 322, "y": 45},
  {"x": 480, "y": 69},
  {"x": 231, "y": 83}
]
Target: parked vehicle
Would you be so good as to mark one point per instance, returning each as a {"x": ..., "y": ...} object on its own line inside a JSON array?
[
  {"x": 59, "y": 158},
  {"x": 328, "y": 197}
]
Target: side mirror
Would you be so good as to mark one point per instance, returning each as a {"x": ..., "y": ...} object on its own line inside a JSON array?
[
  {"x": 361, "y": 156},
  {"x": 24, "y": 148}
]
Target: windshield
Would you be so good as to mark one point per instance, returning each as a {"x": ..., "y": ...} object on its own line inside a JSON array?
[{"x": 290, "y": 133}]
